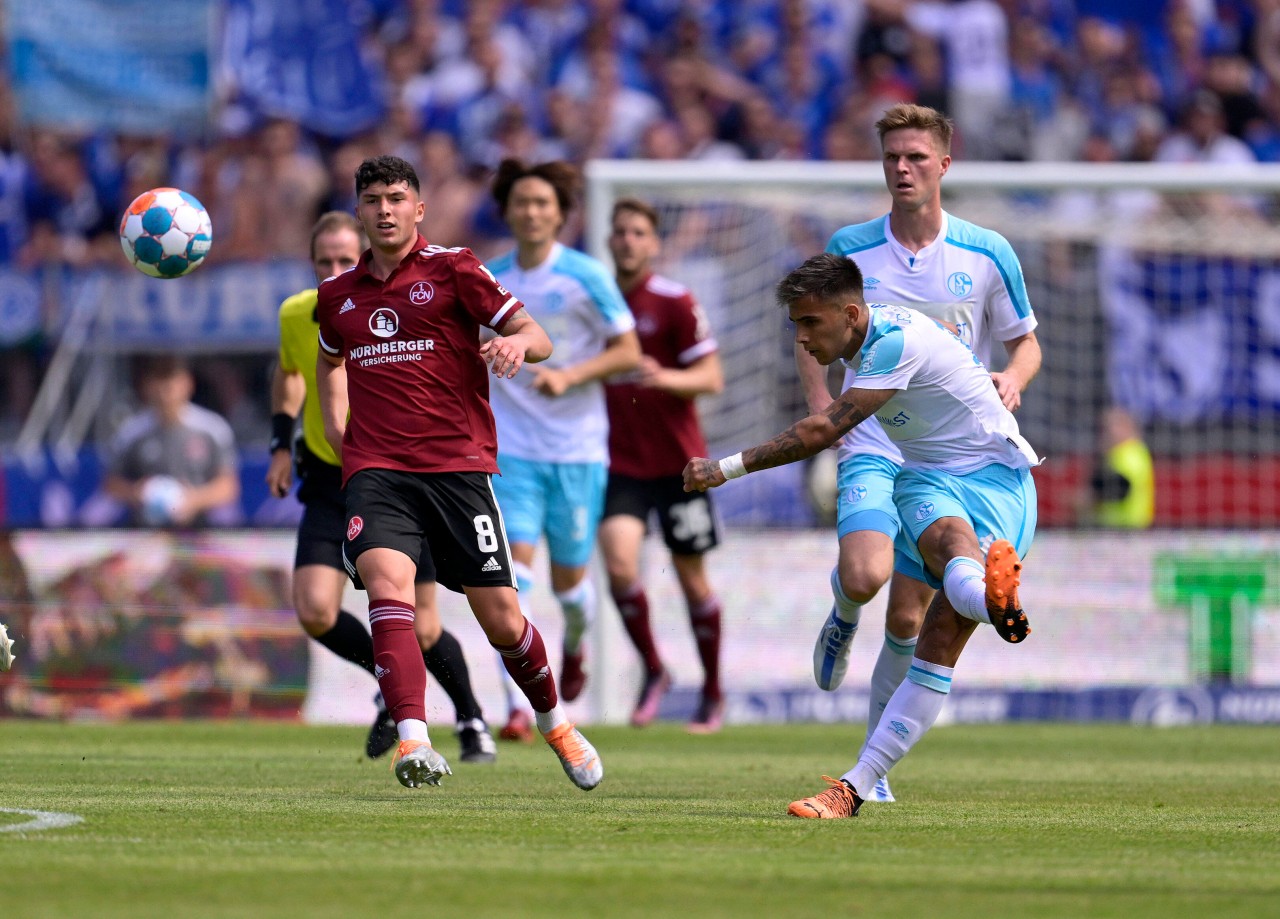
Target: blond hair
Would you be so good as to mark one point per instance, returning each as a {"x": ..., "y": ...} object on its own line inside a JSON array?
[{"x": 920, "y": 117}]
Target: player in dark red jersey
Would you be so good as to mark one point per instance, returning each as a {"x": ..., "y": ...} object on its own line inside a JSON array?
[
  {"x": 399, "y": 339},
  {"x": 653, "y": 432}
]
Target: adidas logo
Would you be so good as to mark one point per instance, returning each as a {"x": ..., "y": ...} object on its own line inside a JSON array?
[
  {"x": 347, "y": 307},
  {"x": 491, "y": 565},
  {"x": 380, "y": 671}
]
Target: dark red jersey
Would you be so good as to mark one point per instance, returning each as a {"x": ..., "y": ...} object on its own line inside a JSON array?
[
  {"x": 418, "y": 387},
  {"x": 653, "y": 434}
]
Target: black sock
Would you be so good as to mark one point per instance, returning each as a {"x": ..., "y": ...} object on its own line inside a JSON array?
[
  {"x": 350, "y": 640},
  {"x": 445, "y": 662}
]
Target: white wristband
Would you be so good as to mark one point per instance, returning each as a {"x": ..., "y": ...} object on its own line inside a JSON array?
[{"x": 732, "y": 467}]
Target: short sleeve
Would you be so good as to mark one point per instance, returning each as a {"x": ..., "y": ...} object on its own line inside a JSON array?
[
  {"x": 692, "y": 331},
  {"x": 330, "y": 339},
  {"x": 888, "y": 362},
  {"x": 288, "y": 359},
  {"x": 1009, "y": 313},
  {"x": 480, "y": 294},
  {"x": 604, "y": 293}
]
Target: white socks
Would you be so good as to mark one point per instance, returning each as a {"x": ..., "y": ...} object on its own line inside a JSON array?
[
  {"x": 549, "y": 721},
  {"x": 890, "y": 669},
  {"x": 964, "y": 582},
  {"x": 579, "y": 606},
  {"x": 845, "y": 609},
  {"x": 412, "y": 729},
  {"x": 910, "y": 713}
]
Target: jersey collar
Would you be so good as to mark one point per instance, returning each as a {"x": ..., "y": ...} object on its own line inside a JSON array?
[
  {"x": 366, "y": 259},
  {"x": 545, "y": 265},
  {"x": 917, "y": 260}
]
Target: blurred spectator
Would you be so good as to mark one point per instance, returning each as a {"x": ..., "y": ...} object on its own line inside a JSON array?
[
  {"x": 452, "y": 197},
  {"x": 1122, "y": 488},
  {"x": 1201, "y": 136},
  {"x": 69, "y": 222},
  {"x": 1231, "y": 78},
  {"x": 13, "y": 182},
  {"x": 975, "y": 35},
  {"x": 342, "y": 171},
  {"x": 803, "y": 87},
  {"x": 622, "y": 112},
  {"x": 174, "y": 463},
  {"x": 698, "y": 131},
  {"x": 275, "y": 197}
]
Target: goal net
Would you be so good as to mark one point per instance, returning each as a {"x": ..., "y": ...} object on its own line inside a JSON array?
[{"x": 1157, "y": 290}]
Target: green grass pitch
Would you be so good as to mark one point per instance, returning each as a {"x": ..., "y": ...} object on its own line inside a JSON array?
[{"x": 246, "y": 820}]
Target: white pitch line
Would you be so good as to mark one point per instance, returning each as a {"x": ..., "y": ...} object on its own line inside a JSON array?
[{"x": 44, "y": 820}]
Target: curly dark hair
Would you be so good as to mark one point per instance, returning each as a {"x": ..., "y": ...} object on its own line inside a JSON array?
[{"x": 386, "y": 170}]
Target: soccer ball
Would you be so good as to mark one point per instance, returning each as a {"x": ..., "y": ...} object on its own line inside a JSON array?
[
  {"x": 166, "y": 233},
  {"x": 161, "y": 495}
]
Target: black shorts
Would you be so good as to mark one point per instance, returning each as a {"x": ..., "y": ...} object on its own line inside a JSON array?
[
  {"x": 688, "y": 518},
  {"x": 453, "y": 515},
  {"x": 324, "y": 521}
]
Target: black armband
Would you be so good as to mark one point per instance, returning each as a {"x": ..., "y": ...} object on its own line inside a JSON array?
[{"x": 281, "y": 432}]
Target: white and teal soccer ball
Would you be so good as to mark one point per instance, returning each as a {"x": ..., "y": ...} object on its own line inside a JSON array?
[
  {"x": 166, "y": 233},
  {"x": 161, "y": 496}
]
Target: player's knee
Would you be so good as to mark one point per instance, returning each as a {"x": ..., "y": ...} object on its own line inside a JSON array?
[
  {"x": 428, "y": 630},
  {"x": 903, "y": 620},
  {"x": 316, "y": 612},
  {"x": 861, "y": 582}
]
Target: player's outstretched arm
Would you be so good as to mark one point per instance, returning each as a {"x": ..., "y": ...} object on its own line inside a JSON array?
[
  {"x": 1024, "y": 364},
  {"x": 331, "y": 389},
  {"x": 522, "y": 341},
  {"x": 621, "y": 354},
  {"x": 804, "y": 439}
]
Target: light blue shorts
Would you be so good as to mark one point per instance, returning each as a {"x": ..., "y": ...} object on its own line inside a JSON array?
[
  {"x": 864, "y": 496},
  {"x": 562, "y": 501},
  {"x": 999, "y": 502}
]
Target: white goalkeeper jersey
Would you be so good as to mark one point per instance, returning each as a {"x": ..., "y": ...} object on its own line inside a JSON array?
[
  {"x": 945, "y": 414},
  {"x": 968, "y": 276},
  {"x": 577, "y": 301}
]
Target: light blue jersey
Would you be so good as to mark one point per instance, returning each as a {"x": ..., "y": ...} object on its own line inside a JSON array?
[
  {"x": 963, "y": 455},
  {"x": 945, "y": 414},
  {"x": 576, "y": 300},
  {"x": 968, "y": 276}
]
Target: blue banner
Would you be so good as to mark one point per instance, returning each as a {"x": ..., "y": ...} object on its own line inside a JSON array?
[
  {"x": 222, "y": 307},
  {"x": 303, "y": 61},
  {"x": 124, "y": 65},
  {"x": 1157, "y": 706},
  {"x": 1193, "y": 338}
]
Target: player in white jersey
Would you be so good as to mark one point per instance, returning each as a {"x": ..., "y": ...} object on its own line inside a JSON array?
[
  {"x": 964, "y": 491},
  {"x": 553, "y": 426},
  {"x": 919, "y": 256}
]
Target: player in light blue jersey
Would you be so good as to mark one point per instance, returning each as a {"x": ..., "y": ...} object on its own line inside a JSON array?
[
  {"x": 553, "y": 426},
  {"x": 964, "y": 493},
  {"x": 919, "y": 256}
]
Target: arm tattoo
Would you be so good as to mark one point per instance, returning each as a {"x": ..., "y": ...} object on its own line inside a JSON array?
[
  {"x": 791, "y": 445},
  {"x": 845, "y": 416},
  {"x": 787, "y": 447},
  {"x": 517, "y": 317}
]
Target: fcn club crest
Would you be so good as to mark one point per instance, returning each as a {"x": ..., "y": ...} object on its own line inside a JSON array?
[
  {"x": 421, "y": 293},
  {"x": 354, "y": 526}
]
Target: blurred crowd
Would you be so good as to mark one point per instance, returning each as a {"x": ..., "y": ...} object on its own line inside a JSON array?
[
  {"x": 468, "y": 82},
  {"x": 465, "y": 83}
]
